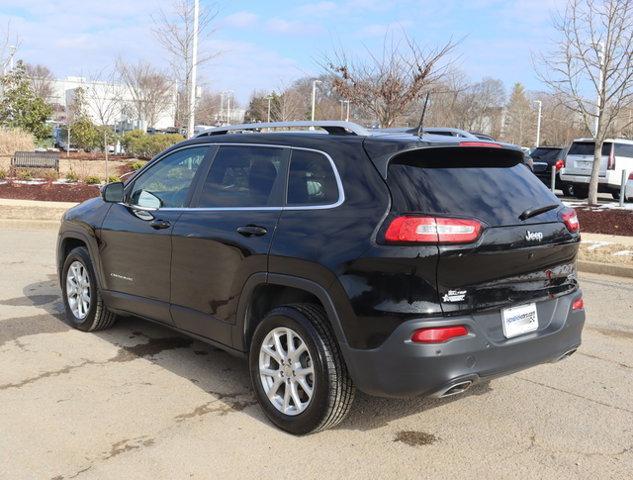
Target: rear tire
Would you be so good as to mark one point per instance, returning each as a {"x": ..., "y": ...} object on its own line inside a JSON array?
[
  {"x": 581, "y": 192},
  {"x": 568, "y": 190},
  {"x": 329, "y": 391},
  {"x": 82, "y": 300},
  {"x": 615, "y": 195}
]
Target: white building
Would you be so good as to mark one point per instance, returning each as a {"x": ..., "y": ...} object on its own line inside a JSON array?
[{"x": 108, "y": 103}]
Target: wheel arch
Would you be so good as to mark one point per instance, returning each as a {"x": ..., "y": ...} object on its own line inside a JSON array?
[
  {"x": 264, "y": 291},
  {"x": 72, "y": 239}
]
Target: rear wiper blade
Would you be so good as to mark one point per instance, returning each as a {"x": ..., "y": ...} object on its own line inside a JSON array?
[{"x": 533, "y": 212}]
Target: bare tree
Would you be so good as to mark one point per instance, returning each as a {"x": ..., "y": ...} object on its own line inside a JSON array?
[
  {"x": 153, "y": 93},
  {"x": 387, "y": 84},
  {"x": 593, "y": 60},
  {"x": 41, "y": 80},
  {"x": 104, "y": 103},
  {"x": 174, "y": 31},
  {"x": 9, "y": 44}
]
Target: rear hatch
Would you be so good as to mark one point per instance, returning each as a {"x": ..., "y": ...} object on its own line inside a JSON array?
[
  {"x": 516, "y": 257},
  {"x": 544, "y": 158},
  {"x": 580, "y": 158}
]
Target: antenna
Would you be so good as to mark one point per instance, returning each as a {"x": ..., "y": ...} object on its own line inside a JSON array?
[{"x": 421, "y": 124}]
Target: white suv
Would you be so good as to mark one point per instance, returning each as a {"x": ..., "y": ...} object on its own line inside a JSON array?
[{"x": 617, "y": 155}]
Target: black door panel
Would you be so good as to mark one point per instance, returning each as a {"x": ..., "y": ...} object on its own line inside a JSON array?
[
  {"x": 212, "y": 261},
  {"x": 136, "y": 256}
]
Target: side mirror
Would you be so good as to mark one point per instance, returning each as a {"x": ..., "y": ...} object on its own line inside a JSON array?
[{"x": 113, "y": 192}]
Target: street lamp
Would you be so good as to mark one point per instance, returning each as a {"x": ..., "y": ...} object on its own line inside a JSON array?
[
  {"x": 538, "y": 122},
  {"x": 194, "y": 66},
  {"x": 269, "y": 98},
  {"x": 314, "y": 84}
]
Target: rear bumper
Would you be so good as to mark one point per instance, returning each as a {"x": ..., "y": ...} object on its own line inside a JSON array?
[
  {"x": 400, "y": 368},
  {"x": 607, "y": 183}
]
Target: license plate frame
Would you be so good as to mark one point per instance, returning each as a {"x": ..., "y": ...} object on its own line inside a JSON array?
[{"x": 519, "y": 320}]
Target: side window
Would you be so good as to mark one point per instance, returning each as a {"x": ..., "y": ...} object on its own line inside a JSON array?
[
  {"x": 167, "y": 183},
  {"x": 624, "y": 150},
  {"x": 242, "y": 176},
  {"x": 311, "y": 180}
]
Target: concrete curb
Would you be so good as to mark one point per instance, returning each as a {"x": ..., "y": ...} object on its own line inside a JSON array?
[
  {"x": 605, "y": 268},
  {"x": 32, "y": 210}
]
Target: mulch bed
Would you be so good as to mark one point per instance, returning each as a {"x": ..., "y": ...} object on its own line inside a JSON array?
[
  {"x": 92, "y": 156},
  {"x": 54, "y": 192},
  {"x": 608, "y": 221}
]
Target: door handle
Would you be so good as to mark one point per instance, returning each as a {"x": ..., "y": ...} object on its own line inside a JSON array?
[
  {"x": 252, "y": 230},
  {"x": 160, "y": 224}
]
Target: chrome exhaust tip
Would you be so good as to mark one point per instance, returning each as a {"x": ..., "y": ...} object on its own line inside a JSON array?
[
  {"x": 454, "y": 389},
  {"x": 567, "y": 354}
]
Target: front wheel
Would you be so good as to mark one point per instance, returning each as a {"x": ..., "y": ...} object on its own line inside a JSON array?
[
  {"x": 82, "y": 300},
  {"x": 297, "y": 371}
]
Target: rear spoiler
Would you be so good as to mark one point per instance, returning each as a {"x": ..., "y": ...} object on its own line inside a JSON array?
[{"x": 453, "y": 155}]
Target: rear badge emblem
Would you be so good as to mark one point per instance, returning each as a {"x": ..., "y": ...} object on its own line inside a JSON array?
[
  {"x": 534, "y": 236},
  {"x": 454, "y": 296}
]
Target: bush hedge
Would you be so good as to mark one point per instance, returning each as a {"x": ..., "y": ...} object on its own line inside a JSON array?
[{"x": 141, "y": 145}]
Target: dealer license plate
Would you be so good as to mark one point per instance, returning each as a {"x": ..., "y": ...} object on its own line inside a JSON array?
[{"x": 519, "y": 320}]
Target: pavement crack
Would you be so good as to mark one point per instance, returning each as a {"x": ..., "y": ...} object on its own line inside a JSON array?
[
  {"x": 589, "y": 355},
  {"x": 128, "y": 444},
  {"x": 224, "y": 404},
  {"x": 50, "y": 373},
  {"x": 597, "y": 402}
]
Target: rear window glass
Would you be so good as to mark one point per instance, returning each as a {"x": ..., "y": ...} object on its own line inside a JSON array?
[
  {"x": 546, "y": 154},
  {"x": 496, "y": 195},
  {"x": 624, "y": 150},
  {"x": 586, "y": 148},
  {"x": 311, "y": 180}
]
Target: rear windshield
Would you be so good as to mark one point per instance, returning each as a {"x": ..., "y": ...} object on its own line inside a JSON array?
[
  {"x": 586, "y": 148},
  {"x": 496, "y": 195},
  {"x": 546, "y": 154}
]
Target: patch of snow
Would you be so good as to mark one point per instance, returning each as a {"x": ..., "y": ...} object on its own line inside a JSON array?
[
  {"x": 597, "y": 245},
  {"x": 623, "y": 253},
  {"x": 31, "y": 182}
]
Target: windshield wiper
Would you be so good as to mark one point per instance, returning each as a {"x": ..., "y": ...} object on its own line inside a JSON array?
[{"x": 533, "y": 212}]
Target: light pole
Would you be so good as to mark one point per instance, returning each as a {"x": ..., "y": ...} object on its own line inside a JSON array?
[
  {"x": 229, "y": 95},
  {"x": 347, "y": 114},
  {"x": 194, "y": 67},
  {"x": 314, "y": 84},
  {"x": 538, "y": 122},
  {"x": 9, "y": 62},
  {"x": 269, "y": 98}
]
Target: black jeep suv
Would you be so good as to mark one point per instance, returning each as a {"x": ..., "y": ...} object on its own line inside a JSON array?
[{"x": 390, "y": 263}]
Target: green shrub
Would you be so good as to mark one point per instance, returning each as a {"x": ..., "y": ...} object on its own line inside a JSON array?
[
  {"x": 85, "y": 134},
  {"x": 146, "y": 146},
  {"x": 3, "y": 174},
  {"x": 137, "y": 166},
  {"x": 91, "y": 180},
  {"x": 71, "y": 176},
  {"x": 50, "y": 175},
  {"x": 24, "y": 174},
  {"x": 113, "y": 178}
]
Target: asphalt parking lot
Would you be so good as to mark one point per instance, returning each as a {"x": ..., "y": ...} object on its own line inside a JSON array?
[{"x": 140, "y": 401}]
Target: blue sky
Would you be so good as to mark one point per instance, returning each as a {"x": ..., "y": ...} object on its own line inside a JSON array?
[{"x": 266, "y": 45}]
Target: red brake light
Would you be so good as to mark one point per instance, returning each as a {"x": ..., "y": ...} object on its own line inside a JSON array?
[
  {"x": 578, "y": 304},
  {"x": 631, "y": 176},
  {"x": 570, "y": 219},
  {"x": 611, "y": 162},
  {"x": 480, "y": 144},
  {"x": 559, "y": 164},
  {"x": 432, "y": 230},
  {"x": 438, "y": 334}
]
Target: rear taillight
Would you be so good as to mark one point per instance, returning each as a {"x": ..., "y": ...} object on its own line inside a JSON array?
[
  {"x": 611, "y": 162},
  {"x": 570, "y": 219},
  {"x": 578, "y": 304},
  {"x": 559, "y": 164},
  {"x": 631, "y": 176},
  {"x": 432, "y": 230},
  {"x": 438, "y": 334},
  {"x": 480, "y": 144}
]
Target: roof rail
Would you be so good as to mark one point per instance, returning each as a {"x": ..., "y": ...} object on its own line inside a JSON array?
[{"x": 333, "y": 127}]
